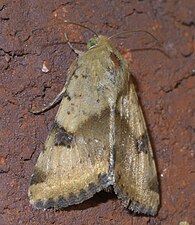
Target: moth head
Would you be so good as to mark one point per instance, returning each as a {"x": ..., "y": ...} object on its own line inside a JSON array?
[
  {"x": 91, "y": 43},
  {"x": 98, "y": 41}
]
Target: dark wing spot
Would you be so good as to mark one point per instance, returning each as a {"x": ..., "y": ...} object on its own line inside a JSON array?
[
  {"x": 66, "y": 95},
  {"x": 38, "y": 177},
  {"x": 85, "y": 76},
  {"x": 142, "y": 143},
  {"x": 154, "y": 186},
  {"x": 62, "y": 138}
]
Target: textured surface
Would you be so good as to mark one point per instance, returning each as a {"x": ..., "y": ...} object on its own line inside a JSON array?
[{"x": 33, "y": 65}]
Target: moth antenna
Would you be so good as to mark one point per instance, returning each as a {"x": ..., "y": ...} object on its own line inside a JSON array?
[
  {"x": 143, "y": 31},
  {"x": 151, "y": 49},
  {"x": 80, "y": 25},
  {"x": 65, "y": 21},
  {"x": 70, "y": 45},
  {"x": 135, "y": 31}
]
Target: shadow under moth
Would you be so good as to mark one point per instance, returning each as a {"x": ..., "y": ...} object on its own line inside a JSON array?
[{"x": 99, "y": 138}]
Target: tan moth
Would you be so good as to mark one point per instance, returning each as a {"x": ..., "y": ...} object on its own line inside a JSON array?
[{"x": 99, "y": 137}]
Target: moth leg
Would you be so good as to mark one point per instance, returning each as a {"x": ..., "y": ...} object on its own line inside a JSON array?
[
  {"x": 51, "y": 104},
  {"x": 78, "y": 52}
]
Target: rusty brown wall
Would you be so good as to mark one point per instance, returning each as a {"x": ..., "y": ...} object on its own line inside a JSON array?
[{"x": 31, "y": 35}]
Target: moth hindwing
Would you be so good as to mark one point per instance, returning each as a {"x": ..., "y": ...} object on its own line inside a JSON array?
[{"x": 99, "y": 138}]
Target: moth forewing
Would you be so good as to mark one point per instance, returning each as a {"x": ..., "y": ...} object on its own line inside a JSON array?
[
  {"x": 99, "y": 138},
  {"x": 135, "y": 172}
]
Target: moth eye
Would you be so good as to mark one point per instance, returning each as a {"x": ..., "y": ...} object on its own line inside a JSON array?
[{"x": 91, "y": 43}]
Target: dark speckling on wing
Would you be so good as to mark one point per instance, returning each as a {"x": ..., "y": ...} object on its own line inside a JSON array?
[
  {"x": 139, "y": 208},
  {"x": 142, "y": 143},
  {"x": 38, "y": 177},
  {"x": 72, "y": 199},
  {"x": 62, "y": 138}
]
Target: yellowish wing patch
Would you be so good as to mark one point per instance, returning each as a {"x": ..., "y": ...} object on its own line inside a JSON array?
[{"x": 72, "y": 168}]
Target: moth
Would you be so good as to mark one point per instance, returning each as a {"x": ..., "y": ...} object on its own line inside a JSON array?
[{"x": 99, "y": 138}]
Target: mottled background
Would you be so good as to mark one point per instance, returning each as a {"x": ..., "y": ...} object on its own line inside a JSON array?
[{"x": 32, "y": 39}]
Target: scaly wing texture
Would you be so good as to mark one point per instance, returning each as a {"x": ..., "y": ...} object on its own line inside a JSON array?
[
  {"x": 72, "y": 168},
  {"x": 136, "y": 181},
  {"x": 75, "y": 162}
]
